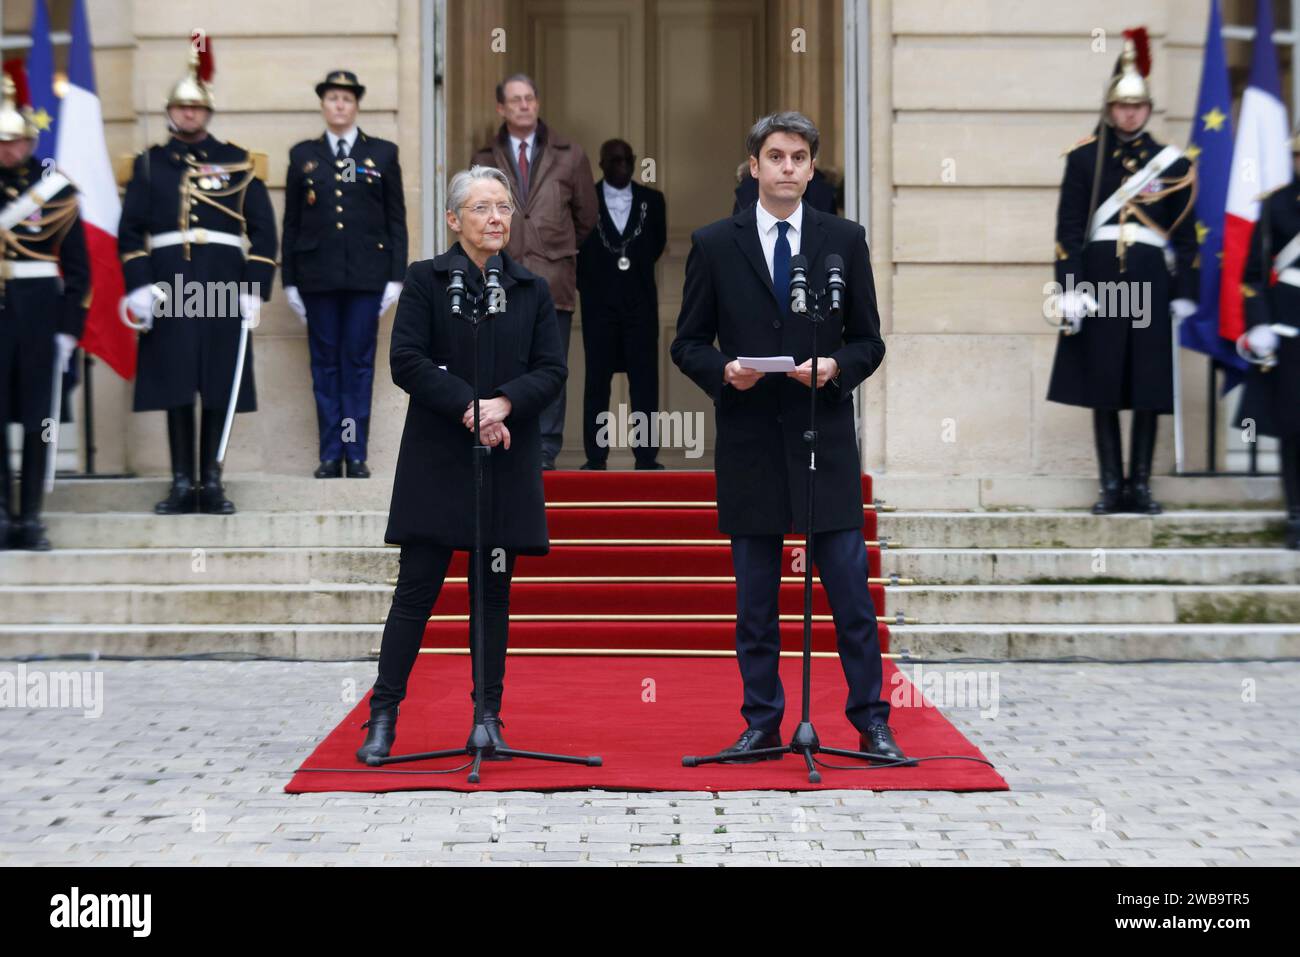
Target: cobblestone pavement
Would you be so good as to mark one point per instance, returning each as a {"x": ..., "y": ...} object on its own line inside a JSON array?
[{"x": 1186, "y": 764}]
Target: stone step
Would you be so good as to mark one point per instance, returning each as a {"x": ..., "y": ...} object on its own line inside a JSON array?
[
  {"x": 270, "y": 492},
  {"x": 925, "y": 566},
  {"x": 369, "y": 603},
  {"x": 1032, "y": 642},
  {"x": 1045, "y": 529}
]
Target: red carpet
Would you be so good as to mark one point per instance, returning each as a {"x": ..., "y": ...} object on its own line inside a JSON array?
[{"x": 596, "y": 705}]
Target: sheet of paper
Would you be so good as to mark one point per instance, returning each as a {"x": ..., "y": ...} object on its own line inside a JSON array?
[{"x": 767, "y": 363}]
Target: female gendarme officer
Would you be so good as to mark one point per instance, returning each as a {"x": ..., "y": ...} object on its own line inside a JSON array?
[
  {"x": 344, "y": 259},
  {"x": 521, "y": 370}
]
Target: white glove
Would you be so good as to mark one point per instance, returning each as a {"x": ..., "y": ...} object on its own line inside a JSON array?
[
  {"x": 1075, "y": 307},
  {"x": 250, "y": 307},
  {"x": 1180, "y": 309},
  {"x": 1262, "y": 341},
  {"x": 66, "y": 345},
  {"x": 141, "y": 304},
  {"x": 391, "y": 291},
  {"x": 295, "y": 302}
]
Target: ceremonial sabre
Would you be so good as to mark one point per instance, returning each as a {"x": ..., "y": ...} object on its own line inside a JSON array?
[
  {"x": 56, "y": 413},
  {"x": 234, "y": 391}
]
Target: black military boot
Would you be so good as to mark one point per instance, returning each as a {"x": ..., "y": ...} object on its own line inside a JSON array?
[
  {"x": 31, "y": 533},
  {"x": 1290, "y": 467},
  {"x": 212, "y": 496},
  {"x": 1110, "y": 461},
  {"x": 1142, "y": 448},
  {"x": 379, "y": 738},
  {"x": 182, "y": 499}
]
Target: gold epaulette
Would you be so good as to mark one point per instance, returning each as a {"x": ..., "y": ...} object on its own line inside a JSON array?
[
  {"x": 1083, "y": 142},
  {"x": 261, "y": 162},
  {"x": 123, "y": 167}
]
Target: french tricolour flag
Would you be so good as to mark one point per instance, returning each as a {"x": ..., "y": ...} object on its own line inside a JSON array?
[
  {"x": 82, "y": 154},
  {"x": 1261, "y": 162}
]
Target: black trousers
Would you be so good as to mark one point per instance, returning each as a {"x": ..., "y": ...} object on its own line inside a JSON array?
[
  {"x": 841, "y": 561},
  {"x": 419, "y": 581},
  {"x": 610, "y": 339}
]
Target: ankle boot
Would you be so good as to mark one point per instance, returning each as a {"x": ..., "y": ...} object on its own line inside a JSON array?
[
  {"x": 379, "y": 738},
  {"x": 1143, "y": 447},
  {"x": 212, "y": 496},
  {"x": 1110, "y": 461},
  {"x": 31, "y": 533},
  {"x": 182, "y": 498},
  {"x": 1290, "y": 467}
]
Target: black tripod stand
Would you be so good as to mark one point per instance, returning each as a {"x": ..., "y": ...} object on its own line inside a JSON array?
[
  {"x": 805, "y": 741},
  {"x": 480, "y": 744}
]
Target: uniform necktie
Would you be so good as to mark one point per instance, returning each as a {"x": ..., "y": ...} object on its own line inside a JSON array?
[
  {"x": 781, "y": 266},
  {"x": 342, "y": 150}
]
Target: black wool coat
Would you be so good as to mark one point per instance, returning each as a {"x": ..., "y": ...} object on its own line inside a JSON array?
[
  {"x": 730, "y": 310},
  {"x": 520, "y": 358}
]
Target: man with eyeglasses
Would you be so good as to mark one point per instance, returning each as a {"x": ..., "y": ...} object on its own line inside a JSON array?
[{"x": 551, "y": 177}]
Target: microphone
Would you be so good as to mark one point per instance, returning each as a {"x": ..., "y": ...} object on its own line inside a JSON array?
[
  {"x": 496, "y": 295},
  {"x": 799, "y": 285},
  {"x": 456, "y": 288},
  {"x": 835, "y": 281}
]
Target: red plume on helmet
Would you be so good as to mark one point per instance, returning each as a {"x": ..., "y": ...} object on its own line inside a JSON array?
[
  {"x": 17, "y": 71},
  {"x": 1142, "y": 43},
  {"x": 207, "y": 67}
]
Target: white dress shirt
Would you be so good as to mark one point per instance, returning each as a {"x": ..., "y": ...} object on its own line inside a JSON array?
[
  {"x": 350, "y": 137},
  {"x": 619, "y": 204},
  {"x": 767, "y": 232},
  {"x": 531, "y": 140}
]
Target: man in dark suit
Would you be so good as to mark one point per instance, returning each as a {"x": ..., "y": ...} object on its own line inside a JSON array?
[
  {"x": 344, "y": 260},
  {"x": 620, "y": 301},
  {"x": 736, "y": 302}
]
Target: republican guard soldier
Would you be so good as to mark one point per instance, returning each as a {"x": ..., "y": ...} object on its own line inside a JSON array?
[
  {"x": 191, "y": 204},
  {"x": 44, "y": 294},
  {"x": 1126, "y": 262}
]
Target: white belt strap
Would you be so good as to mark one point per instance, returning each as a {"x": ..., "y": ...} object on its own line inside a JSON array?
[
  {"x": 32, "y": 200},
  {"x": 1132, "y": 233},
  {"x": 1282, "y": 329},
  {"x": 196, "y": 237},
  {"x": 1288, "y": 253},
  {"x": 1135, "y": 184},
  {"x": 1289, "y": 276},
  {"x": 12, "y": 270}
]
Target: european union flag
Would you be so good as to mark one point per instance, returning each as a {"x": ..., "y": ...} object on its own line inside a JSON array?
[
  {"x": 40, "y": 76},
  {"x": 1211, "y": 148}
]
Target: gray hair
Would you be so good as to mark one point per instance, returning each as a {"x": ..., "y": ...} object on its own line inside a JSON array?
[
  {"x": 458, "y": 188},
  {"x": 789, "y": 121},
  {"x": 515, "y": 78}
]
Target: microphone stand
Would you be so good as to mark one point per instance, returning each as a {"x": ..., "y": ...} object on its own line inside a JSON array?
[
  {"x": 479, "y": 746},
  {"x": 805, "y": 741}
]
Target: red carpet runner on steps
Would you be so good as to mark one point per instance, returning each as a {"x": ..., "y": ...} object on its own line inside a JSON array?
[{"x": 637, "y": 565}]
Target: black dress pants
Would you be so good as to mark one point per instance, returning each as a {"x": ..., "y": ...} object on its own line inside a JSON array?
[{"x": 419, "y": 581}]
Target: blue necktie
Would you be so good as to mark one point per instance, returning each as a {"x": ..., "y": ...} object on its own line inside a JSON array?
[{"x": 781, "y": 267}]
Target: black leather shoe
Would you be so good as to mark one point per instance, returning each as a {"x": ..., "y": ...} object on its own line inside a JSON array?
[
  {"x": 1293, "y": 534},
  {"x": 1113, "y": 501},
  {"x": 548, "y": 466},
  {"x": 212, "y": 496},
  {"x": 492, "y": 721},
  {"x": 1139, "y": 500},
  {"x": 649, "y": 466},
  {"x": 754, "y": 740},
  {"x": 328, "y": 468},
  {"x": 379, "y": 739},
  {"x": 357, "y": 469},
  {"x": 1110, "y": 462},
  {"x": 879, "y": 740},
  {"x": 1142, "y": 448},
  {"x": 182, "y": 498},
  {"x": 31, "y": 535},
  {"x": 590, "y": 466}
]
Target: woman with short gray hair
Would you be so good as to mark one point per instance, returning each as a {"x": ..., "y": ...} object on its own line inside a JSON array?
[{"x": 521, "y": 371}]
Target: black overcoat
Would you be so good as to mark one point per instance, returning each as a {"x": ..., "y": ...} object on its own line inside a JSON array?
[
  {"x": 520, "y": 358},
  {"x": 1121, "y": 359},
  {"x": 730, "y": 310}
]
